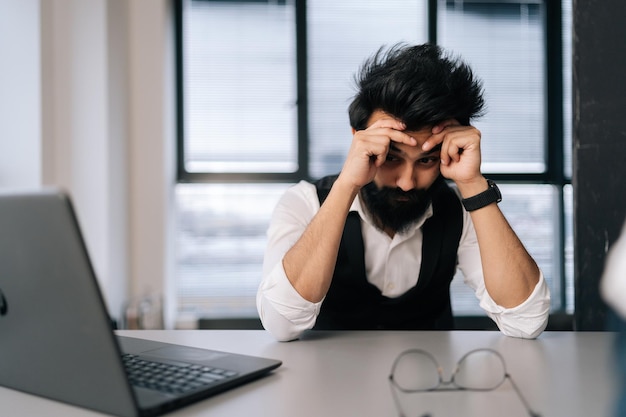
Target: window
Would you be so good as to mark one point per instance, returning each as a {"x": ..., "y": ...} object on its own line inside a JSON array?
[
  {"x": 512, "y": 49},
  {"x": 264, "y": 88},
  {"x": 240, "y": 96}
]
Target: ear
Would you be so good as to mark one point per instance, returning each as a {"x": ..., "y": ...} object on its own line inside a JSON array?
[{"x": 353, "y": 131}]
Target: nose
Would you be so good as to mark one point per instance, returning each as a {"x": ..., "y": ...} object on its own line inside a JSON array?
[{"x": 406, "y": 179}]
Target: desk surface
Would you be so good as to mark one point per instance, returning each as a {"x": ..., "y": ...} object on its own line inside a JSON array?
[{"x": 561, "y": 374}]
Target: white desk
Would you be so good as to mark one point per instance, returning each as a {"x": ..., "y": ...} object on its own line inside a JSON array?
[{"x": 561, "y": 374}]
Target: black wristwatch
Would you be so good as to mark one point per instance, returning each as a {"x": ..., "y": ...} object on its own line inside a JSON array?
[{"x": 491, "y": 195}]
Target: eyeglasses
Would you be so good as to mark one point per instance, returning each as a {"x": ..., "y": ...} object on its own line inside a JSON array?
[{"x": 416, "y": 370}]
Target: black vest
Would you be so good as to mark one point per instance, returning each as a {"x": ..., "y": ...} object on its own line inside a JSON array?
[{"x": 352, "y": 303}]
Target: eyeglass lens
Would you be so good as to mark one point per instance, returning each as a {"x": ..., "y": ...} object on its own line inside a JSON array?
[
  {"x": 416, "y": 370},
  {"x": 480, "y": 370}
]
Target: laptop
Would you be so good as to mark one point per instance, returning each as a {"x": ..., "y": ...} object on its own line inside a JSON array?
[{"x": 56, "y": 336}]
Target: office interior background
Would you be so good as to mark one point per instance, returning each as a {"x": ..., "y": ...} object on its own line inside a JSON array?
[{"x": 176, "y": 126}]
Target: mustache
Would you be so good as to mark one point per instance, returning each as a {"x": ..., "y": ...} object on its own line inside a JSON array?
[{"x": 394, "y": 193}]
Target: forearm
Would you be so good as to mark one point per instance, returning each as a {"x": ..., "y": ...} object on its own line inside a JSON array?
[
  {"x": 510, "y": 273},
  {"x": 310, "y": 263}
]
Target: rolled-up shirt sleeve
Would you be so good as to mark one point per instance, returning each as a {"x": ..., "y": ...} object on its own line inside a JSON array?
[
  {"x": 283, "y": 311},
  {"x": 526, "y": 320}
]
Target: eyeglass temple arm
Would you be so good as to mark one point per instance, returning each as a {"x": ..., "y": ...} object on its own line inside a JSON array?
[
  {"x": 531, "y": 412},
  {"x": 396, "y": 401}
]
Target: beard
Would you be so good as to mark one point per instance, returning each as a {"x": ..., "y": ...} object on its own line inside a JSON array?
[{"x": 393, "y": 208}]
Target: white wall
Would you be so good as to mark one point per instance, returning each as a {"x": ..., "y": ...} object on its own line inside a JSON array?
[
  {"x": 152, "y": 149},
  {"x": 89, "y": 108}
]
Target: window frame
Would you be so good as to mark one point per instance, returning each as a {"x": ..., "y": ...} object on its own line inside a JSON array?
[
  {"x": 184, "y": 176},
  {"x": 554, "y": 173}
]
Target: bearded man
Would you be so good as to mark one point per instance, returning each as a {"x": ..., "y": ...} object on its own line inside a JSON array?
[{"x": 377, "y": 245}]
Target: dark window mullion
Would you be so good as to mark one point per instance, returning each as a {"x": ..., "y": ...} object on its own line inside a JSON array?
[
  {"x": 432, "y": 21},
  {"x": 554, "y": 93},
  {"x": 239, "y": 177},
  {"x": 302, "y": 96},
  {"x": 554, "y": 128},
  {"x": 181, "y": 172}
]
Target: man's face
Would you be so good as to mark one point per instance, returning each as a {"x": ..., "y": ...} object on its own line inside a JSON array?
[{"x": 400, "y": 194}]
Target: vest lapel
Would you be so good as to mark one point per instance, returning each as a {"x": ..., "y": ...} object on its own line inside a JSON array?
[
  {"x": 352, "y": 241},
  {"x": 431, "y": 249}
]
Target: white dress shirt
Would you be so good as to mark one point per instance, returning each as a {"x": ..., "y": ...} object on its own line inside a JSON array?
[{"x": 390, "y": 265}]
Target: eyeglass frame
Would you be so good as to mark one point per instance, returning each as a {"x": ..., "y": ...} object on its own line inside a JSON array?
[{"x": 451, "y": 384}]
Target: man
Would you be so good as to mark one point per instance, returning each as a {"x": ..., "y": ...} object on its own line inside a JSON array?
[{"x": 376, "y": 246}]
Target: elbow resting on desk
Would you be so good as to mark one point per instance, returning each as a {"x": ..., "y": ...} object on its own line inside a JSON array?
[
  {"x": 527, "y": 326},
  {"x": 276, "y": 324},
  {"x": 523, "y": 333}
]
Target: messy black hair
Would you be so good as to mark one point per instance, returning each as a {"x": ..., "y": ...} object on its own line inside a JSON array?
[{"x": 421, "y": 85}]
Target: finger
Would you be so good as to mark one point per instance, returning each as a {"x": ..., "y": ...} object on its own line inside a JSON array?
[
  {"x": 401, "y": 137},
  {"x": 436, "y": 137},
  {"x": 454, "y": 145},
  {"x": 443, "y": 130},
  {"x": 439, "y": 127},
  {"x": 373, "y": 145},
  {"x": 454, "y": 152},
  {"x": 444, "y": 157},
  {"x": 380, "y": 159},
  {"x": 383, "y": 137},
  {"x": 387, "y": 122},
  {"x": 393, "y": 129},
  {"x": 432, "y": 141},
  {"x": 384, "y": 134}
]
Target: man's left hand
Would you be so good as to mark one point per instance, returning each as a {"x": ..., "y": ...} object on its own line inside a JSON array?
[{"x": 460, "y": 151}]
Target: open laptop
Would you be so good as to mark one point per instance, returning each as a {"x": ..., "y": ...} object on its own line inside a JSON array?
[{"x": 56, "y": 337}]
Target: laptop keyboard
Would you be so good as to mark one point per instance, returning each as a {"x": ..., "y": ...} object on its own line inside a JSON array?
[{"x": 172, "y": 378}]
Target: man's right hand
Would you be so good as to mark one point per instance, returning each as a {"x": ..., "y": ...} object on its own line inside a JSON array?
[{"x": 369, "y": 150}]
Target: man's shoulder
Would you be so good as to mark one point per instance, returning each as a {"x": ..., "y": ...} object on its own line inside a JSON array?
[
  {"x": 325, "y": 182},
  {"x": 302, "y": 188},
  {"x": 323, "y": 186},
  {"x": 299, "y": 199}
]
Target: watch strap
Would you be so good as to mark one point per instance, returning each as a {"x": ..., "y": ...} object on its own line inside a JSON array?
[{"x": 490, "y": 195}]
